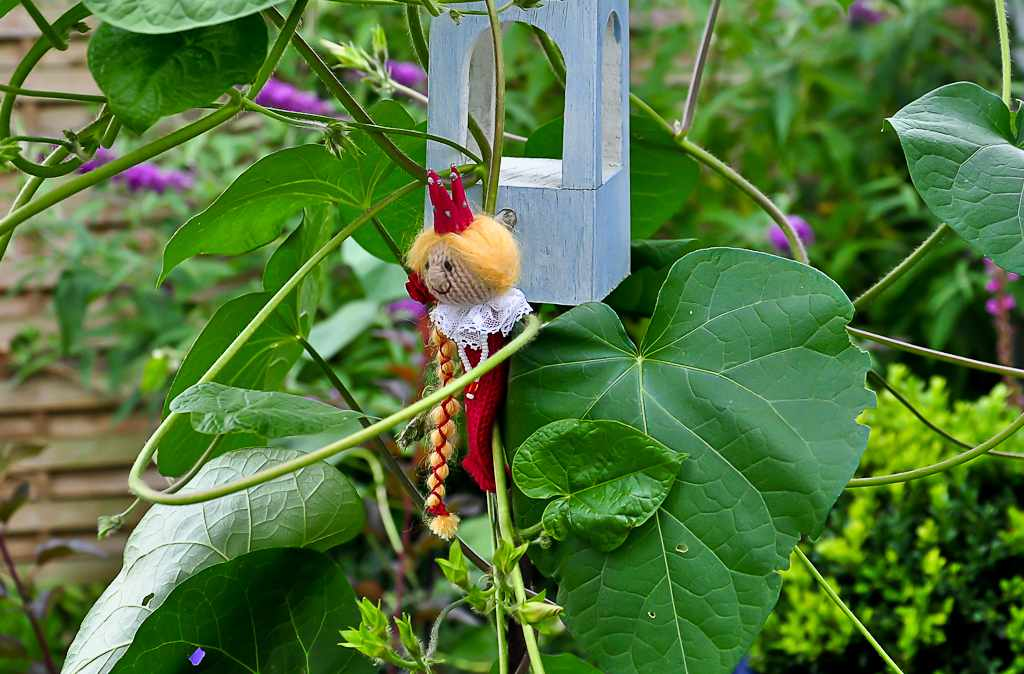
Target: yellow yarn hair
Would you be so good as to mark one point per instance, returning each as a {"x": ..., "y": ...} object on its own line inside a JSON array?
[{"x": 486, "y": 246}]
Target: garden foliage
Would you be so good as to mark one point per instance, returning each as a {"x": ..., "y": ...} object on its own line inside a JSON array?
[{"x": 668, "y": 449}]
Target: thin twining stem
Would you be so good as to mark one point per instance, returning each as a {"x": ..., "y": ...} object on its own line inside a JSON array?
[
  {"x": 110, "y": 169},
  {"x": 933, "y": 241},
  {"x": 1004, "y": 370},
  {"x": 284, "y": 36},
  {"x": 142, "y": 490},
  {"x": 834, "y": 596},
  {"x": 505, "y": 530},
  {"x": 55, "y": 95},
  {"x": 951, "y": 462},
  {"x": 698, "y": 69},
  {"x": 880, "y": 382},
  {"x": 343, "y": 96},
  {"x": 698, "y": 153},
  {"x": 498, "y": 140}
]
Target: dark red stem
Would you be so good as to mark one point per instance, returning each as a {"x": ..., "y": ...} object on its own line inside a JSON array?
[{"x": 26, "y": 605}]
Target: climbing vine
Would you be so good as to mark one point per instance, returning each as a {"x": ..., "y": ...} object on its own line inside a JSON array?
[{"x": 659, "y": 477}]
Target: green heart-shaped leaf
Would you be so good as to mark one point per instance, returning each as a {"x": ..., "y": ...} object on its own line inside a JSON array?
[
  {"x": 746, "y": 366},
  {"x": 146, "y": 77},
  {"x": 161, "y": 16},
  {"x": 968, "y": 167},
  {"x": 649, "y": 262},
  {"x": 218, "y": 409},
  {"x": 268, "y": 611},
  {"x": 606, "y": 478},
  {"x": 315, "y": 507}
]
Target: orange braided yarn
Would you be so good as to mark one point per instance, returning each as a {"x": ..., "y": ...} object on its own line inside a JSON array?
[{"x": 442, "y": 439}]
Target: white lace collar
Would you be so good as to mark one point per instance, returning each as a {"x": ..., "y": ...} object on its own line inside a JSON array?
[{"x": 469, "y": 326}]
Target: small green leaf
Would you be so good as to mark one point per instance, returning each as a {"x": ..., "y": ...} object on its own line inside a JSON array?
[
  {"x": 267, "y": 611},
  {"x": 315, "y": 507},
  {"x": 650, "y": 260},
  {"x": 661, "y": 177},
  {"x": 146, "y": 77},
  {"x": 161, "y": 16},
  {"x": 407, "y": 636},
  {"x": 252, "y": 211},
  {"x": 968, "y": 167},
  {"x": 606, "y": 478},
  {"x": 261, "y": 363},
  {"x": 217, "y": 409},
  {"x": 455, "y": 568}
]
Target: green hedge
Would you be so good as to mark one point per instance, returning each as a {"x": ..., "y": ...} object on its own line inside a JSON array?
[{"x": 932, "y": 567}]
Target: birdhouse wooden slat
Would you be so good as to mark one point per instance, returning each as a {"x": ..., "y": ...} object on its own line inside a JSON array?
[{"x": 573, "y": 213}]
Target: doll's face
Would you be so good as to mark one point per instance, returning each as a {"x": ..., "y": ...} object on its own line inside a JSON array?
[{"x": 451, "y": 281}]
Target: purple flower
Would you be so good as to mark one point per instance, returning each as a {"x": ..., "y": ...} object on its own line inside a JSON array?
[
  {"x": 407, "y": 308},
  {"x": 862, "y": 13},
  {"x": 197, "y": 657},
  {"x": 278, "y": 94},
  {"x": 803, "y": 230},
  {"x": 101, "y": 157},
  {"x": 142, "y": 177},
  {"x": 407, "y": 73}
]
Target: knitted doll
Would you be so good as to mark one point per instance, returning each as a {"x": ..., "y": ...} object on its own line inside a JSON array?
[{"x": 467, "y": 266}]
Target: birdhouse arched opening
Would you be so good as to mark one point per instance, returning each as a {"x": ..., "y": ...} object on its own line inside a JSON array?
[
  {"x": 523, "y": 91},
  {"x": 573, "y": 211}
]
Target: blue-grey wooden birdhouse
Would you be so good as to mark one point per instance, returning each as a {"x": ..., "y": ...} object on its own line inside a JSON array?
[{"x": 572, "y": 213}]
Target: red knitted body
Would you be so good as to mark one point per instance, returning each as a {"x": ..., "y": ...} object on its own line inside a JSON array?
[{"x": 481, "y": 411}]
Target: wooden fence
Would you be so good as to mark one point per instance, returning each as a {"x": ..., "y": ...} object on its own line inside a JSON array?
[{"x": 82, "y": 471}]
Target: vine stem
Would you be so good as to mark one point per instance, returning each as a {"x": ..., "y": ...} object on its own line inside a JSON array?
[
  {"x": 55, "y": 95},
  {"x": 927, "y": 246},
  {"x": 505, "y": 529},
  {"x": 350, "y": 400},
  {"x": 381, "y": 492},
  {"x": 112, "y": 168},
  {"x": 284, "y": 36},
  {"x": 834, "y": 596},
  {"x": 381, "y": 445},
  {"x": 143, "y": 491},
  {"x": 494, "y": 168},
  {"x": 1004, "y": 370},
  {"x": 881, "y": 382},
  {"x": 697, "y": 152},
  {"x": 26, "y": 604},
  {"x": 946, "y": 464},
  {"x": 56, "y": 41},
  {"x": 1004, "y": 53},
  {"x": 499, "y": 598},
  {"x": 28, "y": 190},
  {"x": 698, "y": 70},
  {"x": 343, "y": 96},
  {"x": 748, "y": 188}
]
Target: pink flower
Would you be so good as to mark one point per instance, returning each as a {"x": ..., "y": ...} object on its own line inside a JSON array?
[{"x": 997, "y": 305}]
